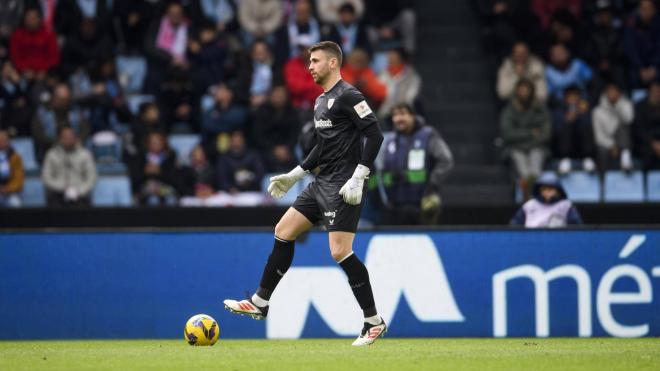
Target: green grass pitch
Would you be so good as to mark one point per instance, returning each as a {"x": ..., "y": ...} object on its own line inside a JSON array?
[{"x": 335, "y": 354}]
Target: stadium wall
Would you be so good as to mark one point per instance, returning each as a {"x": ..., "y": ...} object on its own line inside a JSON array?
[{"x": 468, "y": 283}]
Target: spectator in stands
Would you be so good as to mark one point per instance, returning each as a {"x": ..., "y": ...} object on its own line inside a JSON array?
[
  {"x": 58, "y": 112},
  {"x": 505, "y": 22},
  {"x": 256, "y": 76},
  {"x": 240, "y": 169},
  {"x": 70, "y": 13},
  {"x": 564, "y": 29},
  {"x": 11, "y": 173},
  {"x": 132, "y": 18},
  {"x": 87, "y": 47},
  {"x": 48, "y": 9},
  {"x": 565, "y": 71},
  {"x": 276, "y": 127},
  {"x": 572, "y": 130},
  {"x": 549, "y": 207},
  {"x": 155, "y": 176},
  {"x": 199, "y": 177},
  {"x": 148, "y": 120},
  {"x": 356, "y": 71},
  {"x": 545, "y": 9},
  {"x": 647, "y": 117},
  {"x": 391, "y": 21},
  {"x": 10, "y": 16},
  {"x": 347, "y": 31},
  {"x": 525, "y": 129},
  {"x": 259, "y": 19},
  {"x": 15, "y": 102},
  {"x": 178, "y": 101},
  {"x": 521, "y": 65},
  {"x": 208, "y": 54},
  {"x": 222, "y": 13},
  {"x": 301, "y": 28},
  {"x": 330, "y": 11},
  {"x": 401, "y": 79},
  {"x": 612, "y": 119},
  {"x": 33, "y": 48},
  {"x": 302, "y": 88},
  {"x": 225, "y": 116},
  {"x": 416, "y": 160},
  {"x": 642, "y": 44},
  {"x": 69, "y": 172}
]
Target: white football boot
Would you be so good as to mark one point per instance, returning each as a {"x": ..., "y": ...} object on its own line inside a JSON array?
[
  {"x": 370, "y": 333},
  {"x": 246, "y": 308}
]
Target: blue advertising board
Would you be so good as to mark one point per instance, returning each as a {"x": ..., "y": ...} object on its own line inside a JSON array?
[{"x": 426, "y": 284}]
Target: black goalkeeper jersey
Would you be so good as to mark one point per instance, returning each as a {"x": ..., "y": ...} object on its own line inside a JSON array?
[{"x": 340, "y": 115}]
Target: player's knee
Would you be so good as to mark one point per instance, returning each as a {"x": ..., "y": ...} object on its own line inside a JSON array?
[
  {"x": 340, "y": 252},
  {"x": 284, "y": 232}
]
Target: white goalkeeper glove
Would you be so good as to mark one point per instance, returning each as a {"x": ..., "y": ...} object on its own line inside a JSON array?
[
  {"x": 352, "y": 190},
  {"x": 280, "y": 184}
]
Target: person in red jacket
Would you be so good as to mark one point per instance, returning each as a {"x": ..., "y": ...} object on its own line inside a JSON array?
[
  {"x": 357, "y": 72},
  {"x": 302, "y": 88},
  {"x": 33, "y": 49}
]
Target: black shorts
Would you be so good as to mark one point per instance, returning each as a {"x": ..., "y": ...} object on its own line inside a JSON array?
[{"x": 323, "y": 202}]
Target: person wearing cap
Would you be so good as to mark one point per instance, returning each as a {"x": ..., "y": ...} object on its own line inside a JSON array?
[{"x": 548, "y": 208}]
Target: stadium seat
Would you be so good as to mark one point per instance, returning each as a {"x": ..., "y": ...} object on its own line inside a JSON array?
[
  {"x": 622, "y": 187},
  {"x": 132, "y": 71},
  {"x": 134, "y": 102},
  {"x": 33, "y": 194},
  {"x": 581, "y": 186},
  {"x": 25, "y": 148},
  {"x": 183, "y": 144},
  {"x": 653, "y": 186},
  {"x": 112, "y": 190}
]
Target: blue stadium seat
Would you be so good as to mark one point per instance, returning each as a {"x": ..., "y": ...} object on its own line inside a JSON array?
[
  {"x": 653, "y": 186},
  {"x": 134, "y": 102},
  {"x": 112, "y": 190},
  {"x": 33, "y": 194},
  {"x": 581, "y": 186},
  {"x": 25, "y": 148},
  {"x": 183, "y": 144},
  {"x": 131, "y": 71},
  {"x": 622, "y": 187}
]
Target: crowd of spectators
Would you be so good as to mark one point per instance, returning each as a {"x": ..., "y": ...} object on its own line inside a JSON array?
[
  {"x": 232, "y": 72},
  {"x": 579, "y": 82}
]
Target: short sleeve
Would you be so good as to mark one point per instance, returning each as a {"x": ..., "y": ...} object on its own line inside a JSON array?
[{"x": 358, "y": 110}]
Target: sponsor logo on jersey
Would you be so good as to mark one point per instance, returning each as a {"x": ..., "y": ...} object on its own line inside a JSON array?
[
  {"x": 331, "y": 101},
  {"x": 322, "y": 123},
  {"x": 330, "y": 213},
  {"x": 362, "y": 109}
]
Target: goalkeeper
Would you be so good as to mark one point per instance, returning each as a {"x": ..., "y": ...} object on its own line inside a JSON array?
[{"x": 342, "y": 119}]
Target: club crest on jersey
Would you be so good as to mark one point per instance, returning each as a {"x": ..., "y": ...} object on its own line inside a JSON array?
[
  {"x": 362, "y": 109},
  {"x": 331, "y": 101}
]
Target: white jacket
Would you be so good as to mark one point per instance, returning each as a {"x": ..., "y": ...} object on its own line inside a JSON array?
[
  {"x": 63, "y": 169},
  {"x": 608, "y": 118}
]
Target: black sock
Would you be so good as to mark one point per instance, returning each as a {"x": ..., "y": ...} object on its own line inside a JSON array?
[
  {"x": 278, "y": 263},
  {"x": 358, "y": 278}
]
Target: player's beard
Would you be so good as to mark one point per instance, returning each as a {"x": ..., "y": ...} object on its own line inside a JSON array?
[{"x": 320, "y": 79}]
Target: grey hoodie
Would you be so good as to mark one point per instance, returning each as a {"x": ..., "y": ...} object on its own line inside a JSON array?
[{"x": 63, "y": 169}]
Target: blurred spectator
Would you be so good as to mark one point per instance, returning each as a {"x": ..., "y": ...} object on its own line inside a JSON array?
[
  {"x": 55, "y": 114},
  {"x": 356, "y": 71},
  {"x": 33, "y": 48},
  {"x": 302, "y": 88},
  {"x": 564, "y": 29},
  {"x": 347, "y": 31},
  {"x": 11, "y": 12},
  {"x": 302, "y": 28},
  {"x": 612, "y": 119},
  {"x": 11, "y": 173},
  {"x": 259, "y": 19},
  {"x": 564, "y": 71},
  {"x": 15, "y": 102},
  {"x": 401, "y": 79},
  {"x": 69, "y": 172},
  {"x": 87, "y": 47},
  {"x": 154, "y": 174},
  {"x": 504, "y": 22},
  {"x": 240, "y": 169},
  {"x": 549, "y": 207},
  {"x": 647, "y": 119},
  {"x": 330, "y": 11},
  {"x": 222, "y": 13},
  {"x": 70, "y": 13},
  {"x": 545, "y": 9},
  {"x": 521, "y": 65},
  {"x": 256, "y": 76},
  {"x": 199, "y": 177},
  {"x": 208, "y": 55},
  {"x": 225, "y": 116},
  {"x": 642, "y": 43},
  {"x": 276, "y": 126},
  {"x": 573, "y": 133},
  {"x": 177, "y": 100},
  {"x": 604, "y": 48},
  {"x": 166, "y": 45},
  {"x": 48, "y": 10},
  {"x": 525, "y": 130},
  {"x": 132, "y": 18},
  {"x": 416, "y": 160},
  {"x": 149, "y": 120},
  {"x": 391, "y": 21}
]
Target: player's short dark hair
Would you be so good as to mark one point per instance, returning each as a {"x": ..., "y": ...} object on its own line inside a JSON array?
[{"x": 328, "y": 47}]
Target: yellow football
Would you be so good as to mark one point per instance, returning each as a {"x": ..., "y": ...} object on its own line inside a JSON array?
[{"x": 201, "y": 329}]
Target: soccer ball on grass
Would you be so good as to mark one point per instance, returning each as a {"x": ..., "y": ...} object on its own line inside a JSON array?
[{"x": 201, "y": 329}]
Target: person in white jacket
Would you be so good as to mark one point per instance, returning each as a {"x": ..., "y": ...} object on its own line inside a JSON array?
[
  {"x": 521, "y": 64},
  {"x": 612, "y": 120}
]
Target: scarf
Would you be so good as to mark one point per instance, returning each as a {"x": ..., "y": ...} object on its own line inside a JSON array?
[{"x": 173, "y": 40}]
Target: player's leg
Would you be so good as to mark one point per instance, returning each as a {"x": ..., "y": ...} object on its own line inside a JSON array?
[
  {"x": 341, "y": 248},
  {"x": 290, "y": 226}
]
